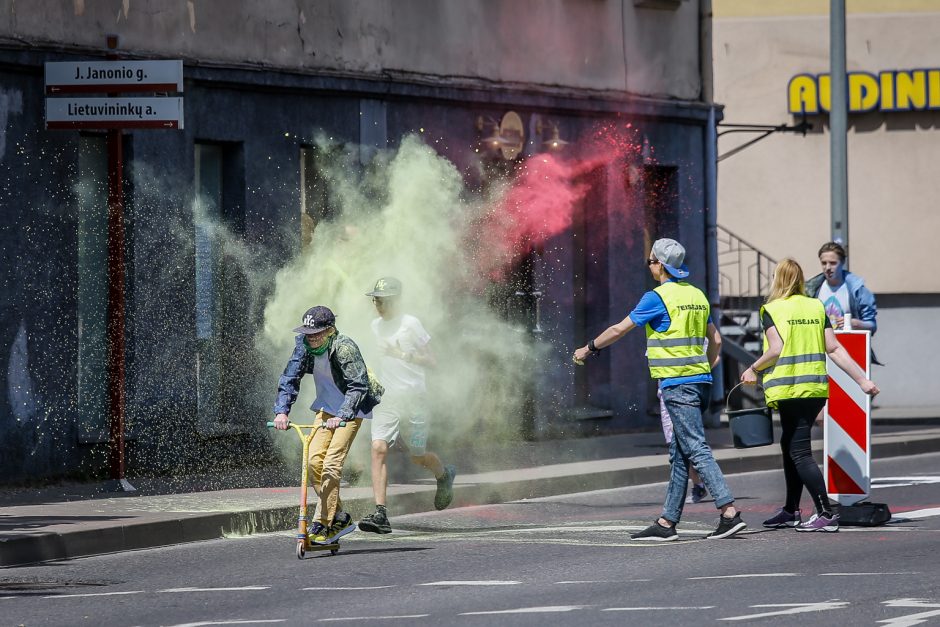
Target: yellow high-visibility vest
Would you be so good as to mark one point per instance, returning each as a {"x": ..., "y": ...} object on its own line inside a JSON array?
[
  {"x": 800, "y": 371},
  {"x": 679, "y": 351}
]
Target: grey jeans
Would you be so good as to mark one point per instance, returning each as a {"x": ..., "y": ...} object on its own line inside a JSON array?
[{"x": 684, "y": 403}]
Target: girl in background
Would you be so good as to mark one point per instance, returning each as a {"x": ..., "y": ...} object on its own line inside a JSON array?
[{"x": 797, "y": 338}]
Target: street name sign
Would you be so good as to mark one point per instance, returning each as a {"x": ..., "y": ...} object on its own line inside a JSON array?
[
  {"x": 72, "y": 77},
  {"x": 87, "y": 113}
]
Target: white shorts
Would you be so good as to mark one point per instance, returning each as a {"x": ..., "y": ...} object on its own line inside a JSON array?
[{"x": 401, "y": 418}]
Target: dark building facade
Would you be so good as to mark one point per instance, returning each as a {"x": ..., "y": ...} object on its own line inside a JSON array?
[{"x": 242, "y": 164}]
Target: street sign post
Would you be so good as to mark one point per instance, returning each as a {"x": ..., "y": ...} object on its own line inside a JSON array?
[
  {"x": 74, "y": 77},
  {"x": 114, "y": 113},
  {"x": 85, "y": 113}
]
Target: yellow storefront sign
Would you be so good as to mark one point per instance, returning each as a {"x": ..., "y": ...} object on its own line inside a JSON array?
[{"x": 892, "y": 90}]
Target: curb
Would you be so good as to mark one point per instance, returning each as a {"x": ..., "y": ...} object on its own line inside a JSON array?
[{"x": 18, "y": 550}]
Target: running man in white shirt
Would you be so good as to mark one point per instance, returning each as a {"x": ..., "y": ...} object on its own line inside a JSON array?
[{"x": 403, "y": 342}]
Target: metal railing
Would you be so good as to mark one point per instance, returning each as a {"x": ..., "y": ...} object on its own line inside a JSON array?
[{"x": 745, "y": 273}]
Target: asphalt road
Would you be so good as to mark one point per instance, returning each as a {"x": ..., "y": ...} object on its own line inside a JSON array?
[{"x": 558, "y": 560}]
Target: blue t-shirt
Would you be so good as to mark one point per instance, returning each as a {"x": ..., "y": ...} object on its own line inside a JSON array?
[{"x": 652, "y": 310}]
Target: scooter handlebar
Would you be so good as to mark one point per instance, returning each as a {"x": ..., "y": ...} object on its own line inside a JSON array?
[{"x": 270, "y": 424}]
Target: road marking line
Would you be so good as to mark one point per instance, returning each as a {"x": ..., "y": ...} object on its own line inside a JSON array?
[
  {"x": 91, "y": 594},
  {"x": 748, "y": 576},
  {"x": 862, "y": 574},
  {"x": 566, "y": 528},
  {"x": 471, "y": 583},
  {"x": 232, "y": 622},
  {"x": 530, "y": 610},
  {"x": 347, "y": 618},
  {"x": 878, "y": 529},
  {"x": 558, "y": 583},
  {"x": 902, "y": 482},
  {"x": 918, "y": 513},
  {"x": 585, "y": 526},
  {"x": 239, "y": 589},
  {"x": 909, "y": 603},
  {"x": 321, "y": 589},
  {"x": 590, "y": 543},
  {"x": 586, "y": 581},
  {"x": 793, "y": 608},
  {"x": 910, "y": 619},
  {"x": 654, "y": 609}
]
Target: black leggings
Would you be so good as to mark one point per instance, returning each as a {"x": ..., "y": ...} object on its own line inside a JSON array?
[{"x": 797, "y": 416}]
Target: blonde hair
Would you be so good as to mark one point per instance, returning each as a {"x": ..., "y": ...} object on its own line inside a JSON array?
[{"x": 788, "y": 280}]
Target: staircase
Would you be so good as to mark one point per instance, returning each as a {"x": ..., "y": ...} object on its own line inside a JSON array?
[{"x": 745, "y": 275}]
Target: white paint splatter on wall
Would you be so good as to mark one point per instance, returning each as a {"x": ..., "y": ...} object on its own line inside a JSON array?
[
  {"x": 10, "y": 102},
  {"x": 20, "y": 390}
]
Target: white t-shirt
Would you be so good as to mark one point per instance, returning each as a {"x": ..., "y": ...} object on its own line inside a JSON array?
[
  {"x": 329, "y": 397},
  {"x": 405, "y": 333},
  {"x": 836, "y": 303}
]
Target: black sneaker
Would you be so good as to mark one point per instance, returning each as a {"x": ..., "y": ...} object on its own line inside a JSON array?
[
  {"x": 727, "y": 527},
  {"x": 342, "y": 525},
  {"x": 445, "y": 488},
  {"x": 656, "y": 533},
  {"x": 375, "y": 523},
  {"x": 318, "y": 534}
]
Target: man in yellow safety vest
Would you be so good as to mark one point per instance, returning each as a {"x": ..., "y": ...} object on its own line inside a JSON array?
[{"x": 676, "y": 316}]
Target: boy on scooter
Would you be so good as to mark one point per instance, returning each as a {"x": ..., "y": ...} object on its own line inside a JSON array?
[{"x": 345, "y": 395}]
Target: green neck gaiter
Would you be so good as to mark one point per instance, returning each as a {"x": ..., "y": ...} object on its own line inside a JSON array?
[{"x": 323, "y": 348}]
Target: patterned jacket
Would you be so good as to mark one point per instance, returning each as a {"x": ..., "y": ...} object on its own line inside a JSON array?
[{"x": 362, "y": 392}]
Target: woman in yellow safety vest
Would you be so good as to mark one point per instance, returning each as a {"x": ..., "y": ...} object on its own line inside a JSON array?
[{"x": 797, "y": 337}]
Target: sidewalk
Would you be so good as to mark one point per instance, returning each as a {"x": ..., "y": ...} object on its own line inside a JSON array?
[{"x": 72, "y": 521}]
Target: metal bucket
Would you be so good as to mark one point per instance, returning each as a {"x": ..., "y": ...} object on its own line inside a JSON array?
[{"x": 750, "y": 427}]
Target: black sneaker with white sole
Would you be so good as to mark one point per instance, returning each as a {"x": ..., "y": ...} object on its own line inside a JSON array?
[
  {"x": 727, "y": 527},
  {"x": 656, "y": 533},
  {"x": 376, "y": 523}
]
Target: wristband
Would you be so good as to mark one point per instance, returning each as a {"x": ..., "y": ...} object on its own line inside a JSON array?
[
  {"x": 756, "y": 371},
  {"x": 592, "y": 347}
]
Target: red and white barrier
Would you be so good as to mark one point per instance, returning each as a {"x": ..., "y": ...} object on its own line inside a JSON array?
[{"x": 847, "y": 434}]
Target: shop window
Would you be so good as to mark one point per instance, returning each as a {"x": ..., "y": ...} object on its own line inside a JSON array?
[
  {"x": 222, "y": 325},
  {"x": 661, "y": 202},
  {"x": 591, "y": 284},
  {"x": 660, "y": 199},
  {"x": 92, "y": 297}
]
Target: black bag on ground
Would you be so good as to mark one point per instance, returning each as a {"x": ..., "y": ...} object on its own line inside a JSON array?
[
  {"x": 865, "y": 514},
  {"x": 750, "y": 427}
]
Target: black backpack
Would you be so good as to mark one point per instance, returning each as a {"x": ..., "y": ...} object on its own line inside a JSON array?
[{"x": 865, "y": 514}]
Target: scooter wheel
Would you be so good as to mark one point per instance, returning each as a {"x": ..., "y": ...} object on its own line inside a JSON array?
[
  {"x": 334, "y": 551},
  {"x": 300, "y": 550}
]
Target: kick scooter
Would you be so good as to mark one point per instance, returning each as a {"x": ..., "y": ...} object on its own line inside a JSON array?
[{"x": 303, "y": 540}]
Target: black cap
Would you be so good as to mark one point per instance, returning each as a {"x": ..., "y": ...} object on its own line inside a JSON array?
[
  {"x": 386, "y": 286},
  {"x": 316, "y": 319}
]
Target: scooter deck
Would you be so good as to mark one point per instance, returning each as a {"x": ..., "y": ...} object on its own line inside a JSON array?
[{"x": 302, "y": 549}]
